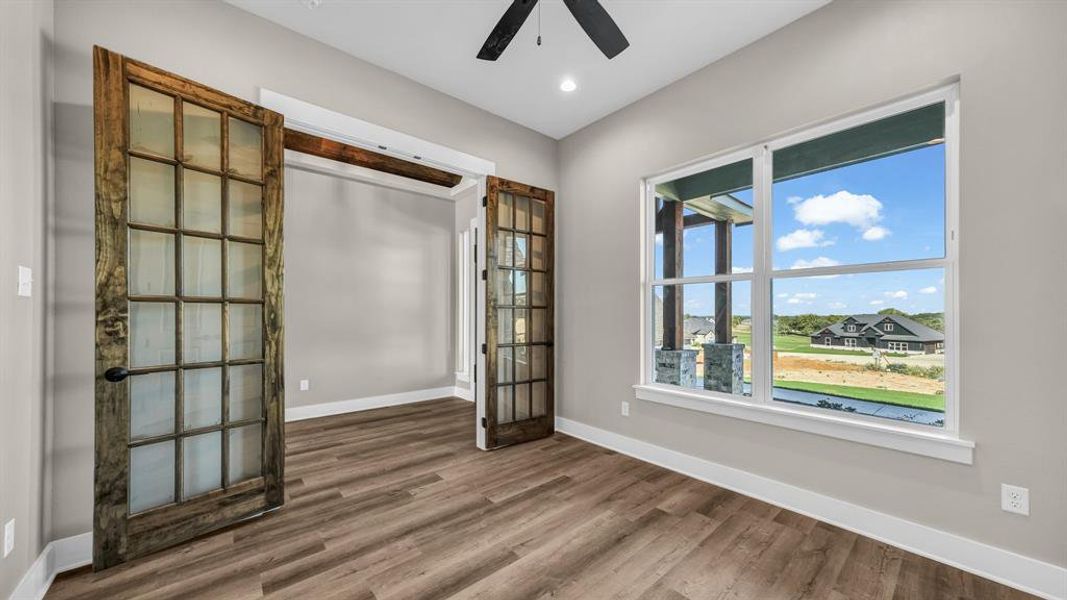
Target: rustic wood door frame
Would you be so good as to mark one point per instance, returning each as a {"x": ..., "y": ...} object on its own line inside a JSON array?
[
  {"x": 117, "y": 535},
  {"x": 501, "y": 429}
]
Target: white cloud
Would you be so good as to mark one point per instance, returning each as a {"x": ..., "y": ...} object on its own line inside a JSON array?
[
  {"x": 928, "y": 290},
  {"x": 837, "y": 305},
  {"x": 783, "y": 295},
  {"x": 897, "y": 295},
  {"x": 862, "y": 211},
  {"x": 877, "y": 302},
  {"x": 821, "y": 261},
  {"x": 737, "y": 269},
  {"x": 793, "y": 199},
  {"x": 876, "y": 233},
  {"x": 803, "y": 238},
  {"x": 799, "y": 297}
]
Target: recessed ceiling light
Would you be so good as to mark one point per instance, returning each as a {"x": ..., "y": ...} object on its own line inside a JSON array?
[{"x": 568, "y": 85}]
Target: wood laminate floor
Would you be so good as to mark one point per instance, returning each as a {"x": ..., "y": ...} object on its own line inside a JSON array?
[{"x": 397, "y": 503}]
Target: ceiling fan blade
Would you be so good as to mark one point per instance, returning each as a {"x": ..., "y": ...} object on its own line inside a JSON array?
[
  {"x": 506, "y": 29},
  {"x": 599, "y": 26}
]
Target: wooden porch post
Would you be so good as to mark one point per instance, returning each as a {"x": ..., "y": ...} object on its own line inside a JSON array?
[
  {"x": 723, "y": 292},
  {"x": 673, "y": 226}
]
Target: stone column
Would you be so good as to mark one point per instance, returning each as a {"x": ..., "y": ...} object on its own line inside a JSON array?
[
  {"x": 676, "y": 367},
  {"x": 724, "y": 368}
]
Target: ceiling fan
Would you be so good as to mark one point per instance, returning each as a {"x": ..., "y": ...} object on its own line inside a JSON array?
[{"x": 589, "y": 13}]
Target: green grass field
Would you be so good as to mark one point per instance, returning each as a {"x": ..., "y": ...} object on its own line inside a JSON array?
[{"x": 909, "y": 399}]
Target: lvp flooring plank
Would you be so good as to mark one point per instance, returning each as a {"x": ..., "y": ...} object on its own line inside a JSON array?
[{"x": 397, "y": 504}]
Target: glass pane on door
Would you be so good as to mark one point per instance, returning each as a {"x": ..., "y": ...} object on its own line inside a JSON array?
[
  {"x": 151, "y": 476},
  {"x": 521, "y": 297},
  {"x": 246, "y": 453},
  {"x": 151, "y": 405},
  {"x": 202, "y": 398},
  {"x": 151, "y": 263},
  {"x": 151, "y": 192},
  {"x": 201, "y": 202},
  {"x": 196, "y": 244},
  {"x": 201, "y": 266},
  {"x": 202, "y": 463},
  {"x": 151, "y": 122},
  {"x": 202, "y": 136}
]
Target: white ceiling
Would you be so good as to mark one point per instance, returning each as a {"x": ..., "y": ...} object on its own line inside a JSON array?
[{"x": 435, "y": 42}]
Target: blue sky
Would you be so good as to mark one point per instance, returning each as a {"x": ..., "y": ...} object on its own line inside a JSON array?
[{"x": 883, "y": 210}]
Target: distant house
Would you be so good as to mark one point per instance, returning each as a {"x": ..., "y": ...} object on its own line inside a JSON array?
[
  {"x": 699, "y": 330},
  {"x": 890, "y": 333}
]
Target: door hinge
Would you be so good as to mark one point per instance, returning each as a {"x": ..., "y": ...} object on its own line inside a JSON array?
[
  {"x": 485, "y": 201},
  {"x": 485, "y": 423},
  {"x": 484, "y": 348},
  {"x": 485, "y": 274}
]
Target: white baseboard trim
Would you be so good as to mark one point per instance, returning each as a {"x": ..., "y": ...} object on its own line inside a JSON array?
[
  {"x": 1011, "y": 569},
  {"x": 325, "y": 409},
  {"x": 60, "y": 555},
  {"x": 463, "y": 393}
]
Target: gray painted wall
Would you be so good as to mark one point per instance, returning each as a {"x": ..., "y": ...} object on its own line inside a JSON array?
[
  {"x": 368, "y": 289},
  {"x": 236, "y": 52},
  {"x": 849, "y": 55},
  {"x": 1009, "y": 57},
  {"x": 25, "y": 189}
]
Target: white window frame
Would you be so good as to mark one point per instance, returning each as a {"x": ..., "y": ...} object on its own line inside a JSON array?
[
  {"x": 850, "y": 342},
  {"x": 851, "y": 328},
  {"x": 888, "y": 326},
  {"x": 828, "y": 341},
  {"x": 943, "y": 443}
]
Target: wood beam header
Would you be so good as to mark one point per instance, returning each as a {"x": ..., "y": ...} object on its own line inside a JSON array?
[{"x": 314, "y": 145}]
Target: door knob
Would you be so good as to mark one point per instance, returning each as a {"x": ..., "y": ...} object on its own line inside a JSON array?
[{"x": 116, "y": 374}]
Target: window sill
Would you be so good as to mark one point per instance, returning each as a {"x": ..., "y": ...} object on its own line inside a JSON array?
[{"x": 935, "y": 445}]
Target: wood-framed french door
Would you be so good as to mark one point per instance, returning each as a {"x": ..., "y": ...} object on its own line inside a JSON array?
[
  {"x": 519, "y": 378},
  {"x": 189, "y": 334}
]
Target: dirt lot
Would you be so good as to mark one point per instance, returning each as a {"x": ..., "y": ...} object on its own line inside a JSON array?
[
  {"x": 827, "y": 370},
  {"x": 840, "y": 370}
]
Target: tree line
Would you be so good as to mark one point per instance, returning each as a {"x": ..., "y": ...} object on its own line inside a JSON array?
[{"x": 808, "y": 324}]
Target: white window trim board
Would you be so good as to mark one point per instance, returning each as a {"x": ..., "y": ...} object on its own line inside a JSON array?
[
  {"x": 883, "y": 433},
  {"x": 761, "y": 403}
]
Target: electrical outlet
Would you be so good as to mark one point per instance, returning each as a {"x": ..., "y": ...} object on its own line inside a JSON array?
[
  {"x": 1015, "y": 499},
  {"x": 305, "y": 385},
  {"x": 625, "y": 408},
  {"x": 9, "y": 537}
]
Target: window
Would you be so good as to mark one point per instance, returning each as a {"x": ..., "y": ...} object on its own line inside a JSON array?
[
  {"x": 897, "y": 346},
  {"x": 816, "y": 234},
  {"x": 702, "y": 265}
]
